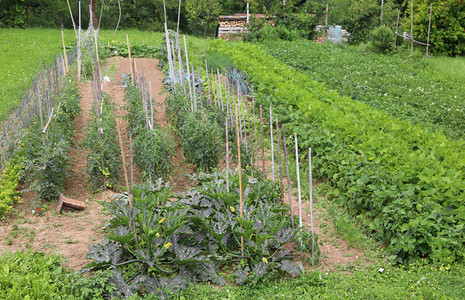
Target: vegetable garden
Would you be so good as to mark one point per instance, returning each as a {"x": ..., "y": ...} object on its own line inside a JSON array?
[{"x": 246, "y": 121}]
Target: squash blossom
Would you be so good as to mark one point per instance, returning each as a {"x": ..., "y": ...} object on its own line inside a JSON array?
[
  {"x": 232, "y": 209},
  {"x": 161, "y": 221},
  {"x": 265, "y": 260},
  {"x": 167, "y": 246}
]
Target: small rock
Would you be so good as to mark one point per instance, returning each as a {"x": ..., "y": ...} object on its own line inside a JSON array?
[{"x": 106, "y": 79}]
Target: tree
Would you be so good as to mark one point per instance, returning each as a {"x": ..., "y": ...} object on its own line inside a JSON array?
[{"x": 202, "y": 12}]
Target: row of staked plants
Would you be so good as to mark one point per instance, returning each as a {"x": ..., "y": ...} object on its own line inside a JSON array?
[
  {"x": 44, "y": 157},
  {"x": 158, "y": 246},
  {"x": 104, "y": 158},
  {"x": 405, "y": 182},
  {"x": 200, "y": 130},
  {"x": 153, "y": 145}
]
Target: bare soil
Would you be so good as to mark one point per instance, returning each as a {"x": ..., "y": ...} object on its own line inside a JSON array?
[{"x": 71, "y": 232}]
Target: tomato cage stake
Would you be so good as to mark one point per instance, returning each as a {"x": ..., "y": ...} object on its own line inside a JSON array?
[
  {"x": 288, "y": 177},
  {"x": 311, "y": 200},
  {"x": 255, "y": 130},
  {"x": 188, "y": 71},
  {"x": 272, "y": 142},
  {"x": 298, "y": 178},
  {"x": 240, "y": 173},
  {"x": 280, "y": 162},
  {"x": 263, "y": 145},
  {"x": 227, "y": 155},
  {"x": 252, "y": 151}
]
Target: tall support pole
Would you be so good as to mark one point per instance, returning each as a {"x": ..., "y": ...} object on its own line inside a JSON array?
[
  {"x": 311, "y": 200},
  {"x": 227, "y": 154},
  {"x": 411, "y": 26},
  {"x": 65, "y": 56},
  {"x": 187, "y": 63},
  {"x": 240, "y": 173},
  {"x": 79, "y": 47},
  {"x": 247, "y": 12},
  {"x": 429, "y": 30},
  {"x": 298, "y": 178},
  {"x": 288, "y": 177},
  {"x": 131, "y": 65},
  {"x": 263, "y": 145},
  {"x": 279, "y": 160},
  {"x": 272, "y": 143},
  {"x": 179, "y": 17},
  {"x": 326, "y": 22}
]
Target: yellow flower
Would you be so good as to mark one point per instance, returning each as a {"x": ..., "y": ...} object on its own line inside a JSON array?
[
  {"x": 167, "y": 246},
  {"x": 232, "y": 209},
  {"x": 161, "y": 221},
  {"x": 157, "y": 235},
  {"x": 265, "y": 260}
]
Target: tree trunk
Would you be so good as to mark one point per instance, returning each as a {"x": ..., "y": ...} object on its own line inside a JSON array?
[
  {"x": 28, "y": 15},
  {"x": 92, "y": 15}
]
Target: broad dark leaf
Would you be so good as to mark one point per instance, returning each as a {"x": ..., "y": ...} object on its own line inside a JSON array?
[
  {"x": 106, "y": 251},
  {"x": 289, "y": 267},
  {"x": 241, "y": 277}
]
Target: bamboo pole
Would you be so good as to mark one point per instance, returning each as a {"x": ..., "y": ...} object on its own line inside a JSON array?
[
  {"x": 411, "y": 26},
  {"x": 263, "y": 145},
  {"x": 227, "y": 155},
  {"x": 187, "y": 64},
  {"x": 429, "y": 30},
  {"x": 298, "y": 178},
  {"x": 252, "y": 152},
  {"x": 272, "y": 142},
  {"x": 131, "y": 66},
  {"x": 288, "y": 177},
  {"x": 193, "y": 88},
  {"x": 311, "y": 200},
  {"x": 382, "y": 10},
  {"x": 99, "y": 74},
  {"x": 240, "y": 173},
  {"x": 280, "y": 162},
  {"x": 65, "y": 56},
  {"x": 255, "y": 130},
  {"x": 151, "y": 103},
  {"x": 208, "y": 80},
  {"x": 132, "y": 159},
  {"x": 79, "y": 55}
]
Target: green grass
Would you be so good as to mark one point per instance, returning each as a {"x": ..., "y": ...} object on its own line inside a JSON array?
[
  {"x": 21, "y": 52},
  {"x": 415, "y": 282}
]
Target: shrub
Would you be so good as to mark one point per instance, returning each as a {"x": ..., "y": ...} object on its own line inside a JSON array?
[{"x": 382, "y": 39}]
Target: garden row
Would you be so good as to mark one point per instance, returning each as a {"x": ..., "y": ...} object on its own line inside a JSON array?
[
  {"x": 398, "y": 85},
  {"x": 404, "y": 181}
]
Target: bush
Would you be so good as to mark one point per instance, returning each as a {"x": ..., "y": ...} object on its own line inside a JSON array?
[
  {"x": 9, "y": 181},
  {"x": 382, "y": 39},
  {"x": 447, "y": 25}
]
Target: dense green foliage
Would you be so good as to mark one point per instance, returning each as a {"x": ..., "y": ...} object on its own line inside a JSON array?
[
  {"x": 382, "y": 39},
  {"x": 402, "y": 86},
  {"x": 33, "y": 275},
  {"x": 405, "y": 182},
  {"x": 104, "y": 158},
  {"x": 201, "y": 135},
  {"x": 9, "y": 181},
  {"x": 153, "y": 147},
  {"x": 159, "y": 246},
  {"x": 447, "y": 25},
  {"x": 46, "y": 160}
]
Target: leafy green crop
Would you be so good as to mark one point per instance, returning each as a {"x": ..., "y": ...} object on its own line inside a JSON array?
[
  {"x": 392, "y": 83},
  {"x": 405, "y": 182},
  {"x": 9, "y": 181},
  {"x": 159, "y": 246}
]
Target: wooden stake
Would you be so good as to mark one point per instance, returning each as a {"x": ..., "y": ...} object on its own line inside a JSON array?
[
  {"x": 79, "y": 54},
  {"x": 411, "y": 26},
  {"x": 130, "y": 59},
  {"x": 188, "y": 71},
  {"x": 252, "y": 152},
  {"x": 311, "y": 200},
  {"x": 288, "y": 177},
  {"x": 132, "y": 159},
  {"x": 65, "y": 56},
  {"x": 240, "y": 173},
  {"x": 227, "y": 155},
  {"x": 97, "y": 58},
  {"x": 255, "y": 130},
  {"x": 382, "y": 10},
  {"x": 298, "y": 178},
  {"x": 263, "y": 145},
  {"x": 280, "y": 162},
  {"x": 272, "y": 142},
  {"x": 429, "y": 30}
]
